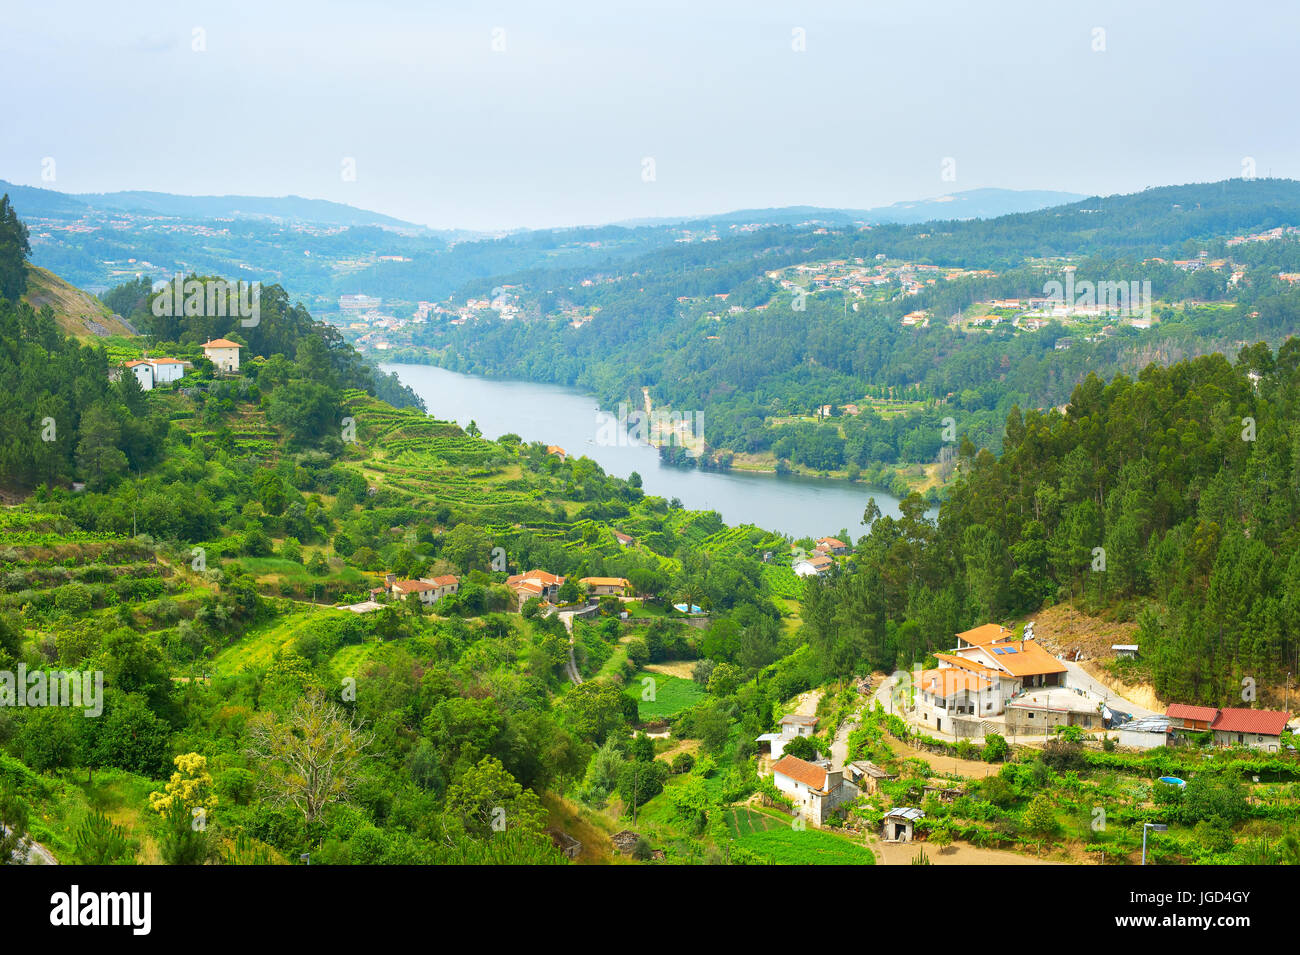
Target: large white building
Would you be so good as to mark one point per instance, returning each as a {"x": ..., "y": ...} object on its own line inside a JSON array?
[{"x": 987, "y": 669}]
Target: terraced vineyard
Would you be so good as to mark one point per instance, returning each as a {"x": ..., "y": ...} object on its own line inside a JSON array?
[{"x": 49, "y": 571}]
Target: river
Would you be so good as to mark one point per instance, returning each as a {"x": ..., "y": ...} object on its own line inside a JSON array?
[{"x": 789, "y": 504}]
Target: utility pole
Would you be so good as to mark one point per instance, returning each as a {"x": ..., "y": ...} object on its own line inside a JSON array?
[{"x": 636, "y": 777}]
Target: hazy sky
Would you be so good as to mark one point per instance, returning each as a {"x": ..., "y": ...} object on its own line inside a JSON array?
[{"x": 555, "y": 128}]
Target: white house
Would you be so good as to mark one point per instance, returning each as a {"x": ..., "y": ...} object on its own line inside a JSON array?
[
  {"x": 1257, "y": 729},
  {"x": 429, "y": 589},
  {"x": 814, "y": 790},
  {"x": 535, "y": 583},
  {"x": 1011, "y": 664},
  {"x": 401, "y": 589},
  {"x": 223, "y": 353},
  {"x": 950, "y": 693},
  {"x": 443, "y": 585},
  {"x": 152, "y": 371},
  {"x": 792, "y": 725},
  {"x": 166, "y": 370},
  {"x": 142, "y": 370},
  {"x": 816, "y": 565}
]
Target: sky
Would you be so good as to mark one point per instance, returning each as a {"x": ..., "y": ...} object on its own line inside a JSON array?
[{"x": 496, "y": 115}]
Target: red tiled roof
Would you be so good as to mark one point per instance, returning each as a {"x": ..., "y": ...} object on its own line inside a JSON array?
[
  {"x": 1263, "y": 722},
  {"x": 801, "y": 771},
  {"x": 985, "y": 634},
  {"x": 445, "y": 580},
  {"x": 221, "y": 343},
  {"x": 949, "y": 681},
  {"x": 412, "y": 586},
  {"x": 967, "y": 664},
  {"x": 1186, "y": 711},
  {"x": 534, "y": 581}
]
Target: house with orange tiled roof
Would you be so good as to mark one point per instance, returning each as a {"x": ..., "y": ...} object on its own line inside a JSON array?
[
  {"x": 429, "y": 589},
  {"x": 981, "y": 635},
  {"x": 992, "y": 666},
  {"x": 1020, "y": 662},
  {"x": 535, "y": 583},
  {"x": 223, "y": 353},
  {"x": 832, "y": 545},
  {"x": 606, "y": 586},
  {"x": 401, "y": 589},
  {"x": 947, "y": 693},
  {"x": 815, "y": 790}
]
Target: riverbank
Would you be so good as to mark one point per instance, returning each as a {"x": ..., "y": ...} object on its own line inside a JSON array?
[
  {"x": 896, "y": 480},
  {"x": 791, "y": 504}
]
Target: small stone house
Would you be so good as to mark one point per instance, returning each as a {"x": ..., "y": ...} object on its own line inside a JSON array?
[{"x": 899, "y": 824}]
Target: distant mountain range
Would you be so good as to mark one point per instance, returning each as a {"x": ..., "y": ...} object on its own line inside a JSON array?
[
  {"x": 971, "y": 204},
  {"x": 48, "y": 203}
]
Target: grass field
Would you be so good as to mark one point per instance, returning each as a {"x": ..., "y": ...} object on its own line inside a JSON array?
[
  {"x": 258, "y": 646},
  {"x": 672, "y": 694},
  {"x": 772, "y": 836}
]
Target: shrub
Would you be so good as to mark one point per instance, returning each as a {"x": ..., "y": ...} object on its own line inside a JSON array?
[{"x": 995, "y": 748}]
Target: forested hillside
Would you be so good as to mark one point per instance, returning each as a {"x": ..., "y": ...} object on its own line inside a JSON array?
[
  {"x": 703, "y": 325},
  {"x": 1171, "y": 498}
]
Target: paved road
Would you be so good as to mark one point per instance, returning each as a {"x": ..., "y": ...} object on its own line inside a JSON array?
[
  {"x": 1078, "y": 677},
  {"x": 840, "y": 744},
  {"x": 571, "y": 665}
]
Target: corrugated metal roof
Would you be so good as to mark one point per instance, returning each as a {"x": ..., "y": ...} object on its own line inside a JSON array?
[{"x": 905, "y": 812}]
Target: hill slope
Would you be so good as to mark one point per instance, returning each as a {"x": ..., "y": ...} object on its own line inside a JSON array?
[{"x": 78, "y": 313}]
